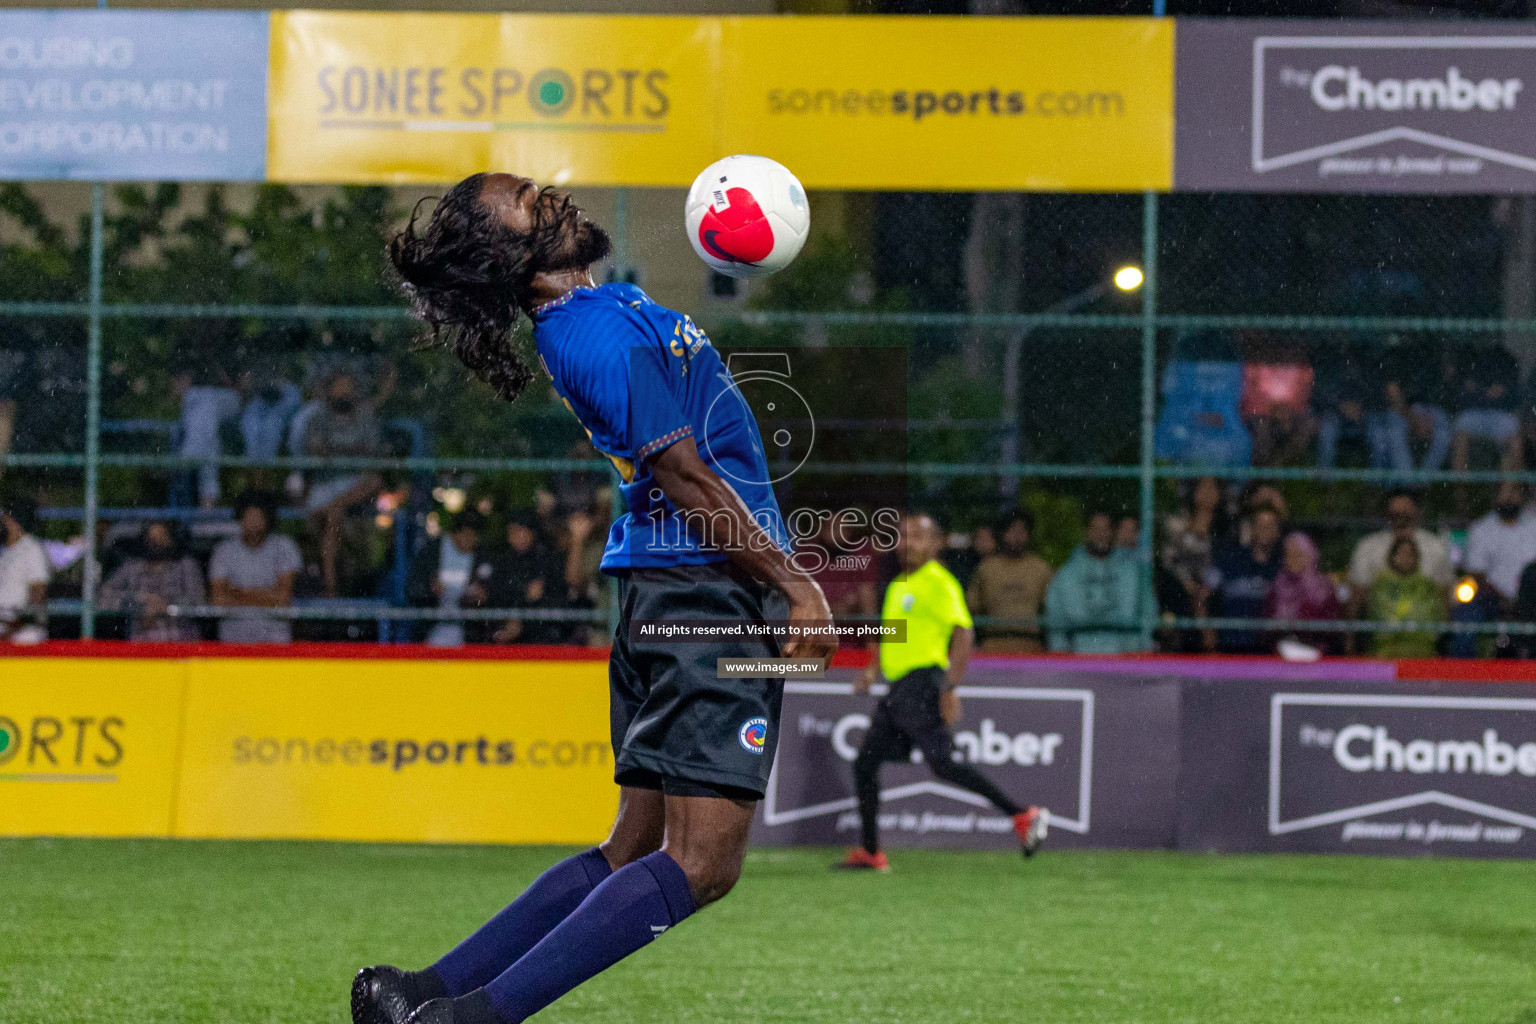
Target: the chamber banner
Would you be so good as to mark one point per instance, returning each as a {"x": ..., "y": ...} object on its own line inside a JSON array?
[
  {"x": 1099, "y": 751},
  {"x": 1356, "y": 106}
]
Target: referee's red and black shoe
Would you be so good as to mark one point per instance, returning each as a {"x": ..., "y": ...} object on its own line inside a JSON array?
[
  {"x": 1031, "y": 824},
  {"x": 860, "y": 859}
]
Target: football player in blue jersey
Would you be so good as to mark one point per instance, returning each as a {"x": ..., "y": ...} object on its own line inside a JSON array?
[{"x": 701, "y": 538}]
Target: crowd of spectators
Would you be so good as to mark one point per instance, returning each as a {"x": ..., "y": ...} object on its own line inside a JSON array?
[
  {"x": 1232, "y": 555},
  {"x": 1257, "y": 400}
]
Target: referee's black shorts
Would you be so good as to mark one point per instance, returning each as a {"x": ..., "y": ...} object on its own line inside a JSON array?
[
  {"x": 909, "y": 716},
  {"x": 675, "y": 726}
]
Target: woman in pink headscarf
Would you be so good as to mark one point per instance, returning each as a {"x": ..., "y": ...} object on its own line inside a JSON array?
[{"x": 1301, "y": 591}]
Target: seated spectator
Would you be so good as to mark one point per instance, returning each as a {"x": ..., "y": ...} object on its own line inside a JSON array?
[
  {"x": 1487, "y": 406},
  {"x": 24, "y": 575},
  {"x": 1011, "y": 584},
  {"x": 1093, "y": 604},
  {"x": 1353, "y": 405},
  {"x": 1402, "y": 593},
  {"x": 449, "y": 574},
  {"x": 146, "y": 585},
  {"x": 254, "y": 570},
  {"x": 1128, "y": 534},
  {"x": 1303, "y": 593},
  {"x": 264, "y": 421},
  {"x": 1419, "y": 383},
  {"x": 346, "y": 427},
  {"x": 522, "y": 575},
  {"x": 586, "y": 588},
  {"x": 205, "y": 408},
  {"x": 1502, "y": 543},
  {"x": 1240, "y": 580},
  {"x": 1371, "y": 553},
  {"x": 12, "y": 365},
  {"x": 1189, "y": 538},
  {"x": 963, "y": 560},
  {"x": 1277, "y": 404}
]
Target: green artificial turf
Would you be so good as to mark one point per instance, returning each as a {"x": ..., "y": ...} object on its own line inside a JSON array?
[{"x": 143, "y": 932}]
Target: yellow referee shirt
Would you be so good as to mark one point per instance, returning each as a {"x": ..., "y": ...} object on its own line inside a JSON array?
[{"x": 933, "y": 604}]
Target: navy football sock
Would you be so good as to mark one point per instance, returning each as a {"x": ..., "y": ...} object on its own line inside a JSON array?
[
  {"x": 638, "y": 903},
  {"x": 520, "y": 925}
]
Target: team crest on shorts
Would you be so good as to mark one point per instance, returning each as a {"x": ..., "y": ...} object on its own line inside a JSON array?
[{"x": 754, "y": 735}]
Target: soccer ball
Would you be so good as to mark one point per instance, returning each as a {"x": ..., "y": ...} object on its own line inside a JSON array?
[{"x": 747, "y": 216}]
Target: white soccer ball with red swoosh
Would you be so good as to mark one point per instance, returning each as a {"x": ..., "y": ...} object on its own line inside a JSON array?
[{"x": 747, "y": 216}]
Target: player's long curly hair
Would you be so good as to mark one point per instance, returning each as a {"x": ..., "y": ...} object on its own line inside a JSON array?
[{"x": 468, "y": 276}]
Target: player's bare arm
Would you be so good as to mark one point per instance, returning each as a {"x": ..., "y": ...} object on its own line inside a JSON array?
[{"x": 692, "y": 486}]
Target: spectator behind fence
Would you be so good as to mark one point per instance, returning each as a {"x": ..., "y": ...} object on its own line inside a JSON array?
[
  {"x": 1301, "y": 591},
  {"x": 1128, "y": 534},
  {"x": 585, "y": 587},
  {"x": 12, "y": 365},
  {"x": 205, "y": 408},
  {"x": 1241, "y": 577},
  {"x": 1189, "y": 538},
  {"x": 1353, "y": 404},
  {"x": 1502, "y": 543},
  {"x": 1277, "y": 403},
  {"x": 265, "y": 419},
  {"x": 148, "y": 583},
  {"x": 963, "y": 559},
  {"x": 1011, "y": 584},
  {"x": 1093, "y": 604},
  {"x": 1487, "y": 406},
  {"x": 449, "y": 574},
  {"x": 1371, "y": 553},
  {"x": 522, "y": 576},
  {"x": 1401, "y": 593},
  {"x": 255, "y": 570},
  {"x": 1419, "y": 389},
  {"x": 347, "y": 426},
  {"x": 24, "y": 575}
]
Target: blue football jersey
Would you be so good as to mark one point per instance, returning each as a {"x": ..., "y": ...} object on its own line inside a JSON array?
[{"x": 641, "y": 377}]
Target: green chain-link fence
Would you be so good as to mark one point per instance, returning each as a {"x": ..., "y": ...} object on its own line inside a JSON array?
[{"x": 1034, "y": 381}]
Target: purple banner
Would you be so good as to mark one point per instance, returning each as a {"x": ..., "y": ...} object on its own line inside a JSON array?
[
  {"x": 1291, "y": 763},
  {"x": 1099, "y": 751},
  {"x": 1363, "y": 106},
  {"x": 1351, "y": 768}
]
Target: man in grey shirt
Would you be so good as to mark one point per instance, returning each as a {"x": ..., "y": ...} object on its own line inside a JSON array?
[{"x": 255, "y": 570}]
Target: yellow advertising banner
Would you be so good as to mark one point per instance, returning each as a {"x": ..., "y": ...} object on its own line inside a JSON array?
[
  {"x": 89, "y": 746},
  {"x": 433, "y": 97},
  {"x": 450, "y": 751},
  {"x": 1038, "y": 104},
  {"x": 846, "y": 102}
]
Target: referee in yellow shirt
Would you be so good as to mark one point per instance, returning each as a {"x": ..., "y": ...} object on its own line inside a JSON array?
[{"x": 922, "y": 704}]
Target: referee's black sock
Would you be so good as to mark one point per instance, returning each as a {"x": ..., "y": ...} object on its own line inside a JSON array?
[
  {"x": 967, "y": 777},
  {"x": 866, "y": 785}
]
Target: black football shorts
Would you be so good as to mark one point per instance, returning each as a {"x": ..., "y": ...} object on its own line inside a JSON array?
[{"x": 676, "y": 727}]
